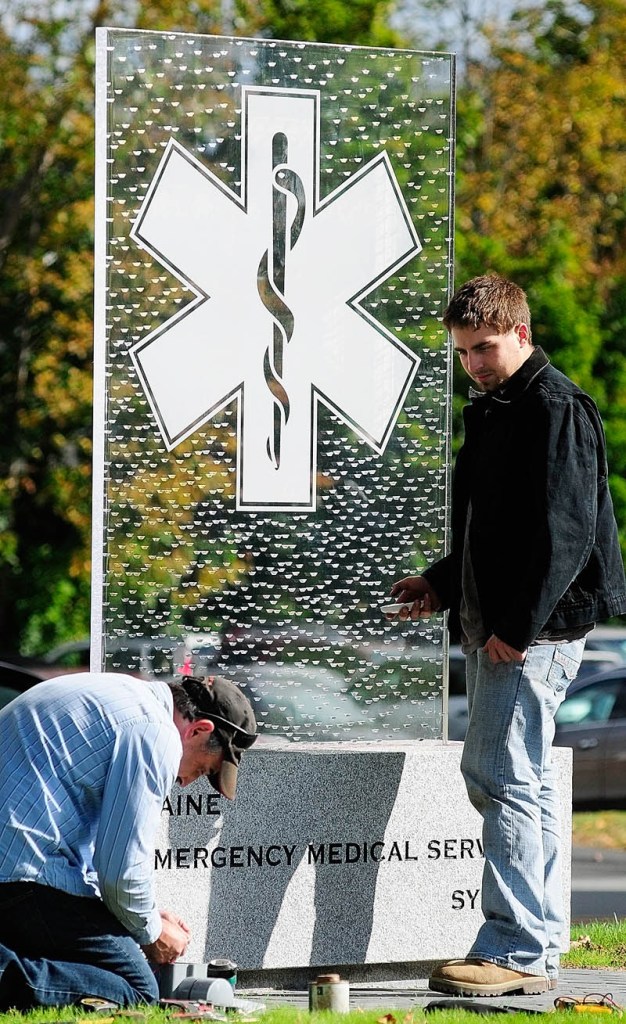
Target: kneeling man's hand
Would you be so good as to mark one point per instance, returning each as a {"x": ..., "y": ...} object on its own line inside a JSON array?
[{"x": 171, "y": 943}]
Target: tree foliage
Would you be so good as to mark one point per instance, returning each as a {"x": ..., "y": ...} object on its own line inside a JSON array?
[
  {"x": 542, "y": 161},
  {"x": 540, "y": 197},
  {"x": 46, "y": 244},
  {"x": 363, "y": 22},
  {"x": 46, "y": 212}
]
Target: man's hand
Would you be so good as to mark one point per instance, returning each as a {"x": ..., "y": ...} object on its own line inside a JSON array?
[
  {"x": 499, "y": 651},
  {"x": 171, "y": 943},
  {"x": 417, "y": 591}
]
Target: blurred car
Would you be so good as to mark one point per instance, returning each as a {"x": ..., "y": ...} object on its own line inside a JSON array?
[
  {"x": 401, "y": 688},
  {"x": 141, "y": 656},
  {"x": 31, "y": 663},
  {"x": 592, "y": 721},
  {"x": 72, "y": 655},
  {"x": 301, "y": 702},
  {"x": 592, "y": 663},
  {"x": 457, "y": 698},
  {"x": 315, "y": 703},
  {"x": 608, "y": 638},
  {"x": 15, "y": 679}
]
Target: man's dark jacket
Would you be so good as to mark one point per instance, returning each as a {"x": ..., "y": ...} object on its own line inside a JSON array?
[{"x": 542, "y": 535}]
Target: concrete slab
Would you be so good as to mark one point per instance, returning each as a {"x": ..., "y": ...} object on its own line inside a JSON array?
[{"x": 359, "y": 854}]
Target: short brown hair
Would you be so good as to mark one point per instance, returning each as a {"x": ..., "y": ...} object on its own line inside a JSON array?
[{"x": 491, "y": 300}]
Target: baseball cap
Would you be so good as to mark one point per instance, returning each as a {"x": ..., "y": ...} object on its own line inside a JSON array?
[{"x": 222, "y": 702}]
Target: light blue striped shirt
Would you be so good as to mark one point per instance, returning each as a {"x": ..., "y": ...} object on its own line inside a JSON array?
[{"x": 86, "y": 761}]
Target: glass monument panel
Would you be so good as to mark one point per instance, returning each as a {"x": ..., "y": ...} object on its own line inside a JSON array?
[{"x": 273, "y": 257}]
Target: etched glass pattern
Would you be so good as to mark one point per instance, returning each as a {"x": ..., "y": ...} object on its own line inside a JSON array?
[{"x": 272, "y": 376}]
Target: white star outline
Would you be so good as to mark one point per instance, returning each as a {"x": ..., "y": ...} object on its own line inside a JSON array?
[{"x": 196, "y": 363}]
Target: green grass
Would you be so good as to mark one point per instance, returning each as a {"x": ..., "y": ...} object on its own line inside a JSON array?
[
  {"x": 604, "y": 829},
  {"x": 597, "y": 944},
  {"x": 290, "y": 1015}
]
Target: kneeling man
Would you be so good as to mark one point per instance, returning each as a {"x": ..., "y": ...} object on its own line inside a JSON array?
[{"x": 86, "y": 762}]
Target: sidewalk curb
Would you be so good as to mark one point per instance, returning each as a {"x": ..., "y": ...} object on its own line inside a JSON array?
[{"x": 596, "y": 855}]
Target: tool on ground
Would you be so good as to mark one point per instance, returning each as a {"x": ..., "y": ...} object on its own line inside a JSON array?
[
  {"x": 593, "y": 1002},
  {"x": 191, "y": 1009},
  {"x": 475, "y": 1006},
  {"x": 94, "y": 1004},
  {"x": 185, "y": 1004}
]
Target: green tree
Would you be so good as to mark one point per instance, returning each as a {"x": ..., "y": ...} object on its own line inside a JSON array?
[
  {"x": 362, "y": 22},
  {"x": 540, "y": 172},
  {"x": 46, "y": 294},
  {"x": 46, "y": 169},
  {"x": 542, "y": 161}
]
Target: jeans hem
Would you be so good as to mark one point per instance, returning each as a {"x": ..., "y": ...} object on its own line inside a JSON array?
[{"x": 510, "y": 965}]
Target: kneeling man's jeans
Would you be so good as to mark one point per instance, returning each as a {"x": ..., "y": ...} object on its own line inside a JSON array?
[
  {"x": 510, "y": 779},
  {"x": 55, "y": 948}
]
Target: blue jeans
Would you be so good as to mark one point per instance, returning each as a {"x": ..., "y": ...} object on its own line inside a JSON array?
[
  {"x": 510, "y": 779},
  {"x": 56, "y": 948}
]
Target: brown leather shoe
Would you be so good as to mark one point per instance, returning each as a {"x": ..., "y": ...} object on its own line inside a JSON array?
[{"x": 481, "y": 978}]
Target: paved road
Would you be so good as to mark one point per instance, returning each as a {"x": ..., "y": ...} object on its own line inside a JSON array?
[{"x": 598, "y": 884}]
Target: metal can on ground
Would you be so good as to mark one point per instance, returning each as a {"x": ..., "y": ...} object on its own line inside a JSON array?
[
  {"x": 329, "y": 992},
  {"x": 222, "y": 968}
]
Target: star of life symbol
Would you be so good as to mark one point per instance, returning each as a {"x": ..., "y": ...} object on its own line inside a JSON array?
[{"x": 278, "y": 277}]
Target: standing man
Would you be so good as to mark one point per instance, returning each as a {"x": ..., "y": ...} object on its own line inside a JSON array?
[
  {"x": 86, "y": 762},
  {"x": 534, "y": 562}
]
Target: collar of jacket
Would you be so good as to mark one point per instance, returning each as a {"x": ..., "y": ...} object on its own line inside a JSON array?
[{"x": 516, "y": 385}]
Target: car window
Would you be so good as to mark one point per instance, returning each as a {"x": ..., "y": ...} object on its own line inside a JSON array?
[
  {"x": 619, "y": 708},
  {"x": 593, "y": 703}
]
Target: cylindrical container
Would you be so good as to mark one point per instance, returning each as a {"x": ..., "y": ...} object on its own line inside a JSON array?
[
  {"x": 206, "y": 990},
  {"x": 329, "y": 992},
  {"x": 221, "y": 968}
]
